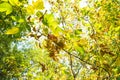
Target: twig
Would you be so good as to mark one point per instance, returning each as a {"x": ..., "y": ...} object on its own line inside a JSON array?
[
  {"x": 42, "y": 16},
  {"x": 71, "y": 66},
  {"x": 77, "y": 71}
]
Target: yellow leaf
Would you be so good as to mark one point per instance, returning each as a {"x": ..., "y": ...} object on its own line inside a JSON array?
[
  {"x": 30, "y": 9},
  {"x": 38, "y": 4},
  {"x": 5, "y": 7},
  {"x": 14, "y": 18},
  {"x": 5, "y": 0},
  {"x": 21, "y": 20},
  {"x": 13, "y": 30},
  {"x": 14, "y": 2}
]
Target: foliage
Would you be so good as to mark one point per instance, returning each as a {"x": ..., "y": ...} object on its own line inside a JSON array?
[{"x": 66, "y": 42}]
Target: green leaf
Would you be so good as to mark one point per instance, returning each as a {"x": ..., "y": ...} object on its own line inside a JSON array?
[
  {"x": 17, "y": 19},
  {"x": 50, "y": 21},
  {"x": 118, "y": 78},
  {"x": 21, "y": 20},
  {"x": 13, "y": 18},
  {"x": 14, "y": 2},
  {"x": 48, "y": 18},
  {"x": 39, "y": 14},
  {"x": 13, "y": 30},
  {"x": 79, "y": 48},
  {"x": 4, "y": 0},
  {"x": 57, "y": 31},
  {"x": 78, "y": 31},
  {"x": 117, "y": 28},
  {"x": 5, "y": 7}
]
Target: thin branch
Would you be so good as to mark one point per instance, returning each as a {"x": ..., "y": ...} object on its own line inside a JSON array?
[
  {"x": 92, "y": 26},
  {"x": 62, "y": 18},
  {"x": 84, "y": 61},
  {"x": 42, "y": 16},
  {"x": 114, "y": 60},
  {"x": 77, "y": 71},
  {"x": 88, "y": 62},
  {"x": 71, "y": 67}
]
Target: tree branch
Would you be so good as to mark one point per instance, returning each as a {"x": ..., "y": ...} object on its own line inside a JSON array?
[
  {"x": 71, "y": 66},
  {"x": 88, "y": 62}
]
